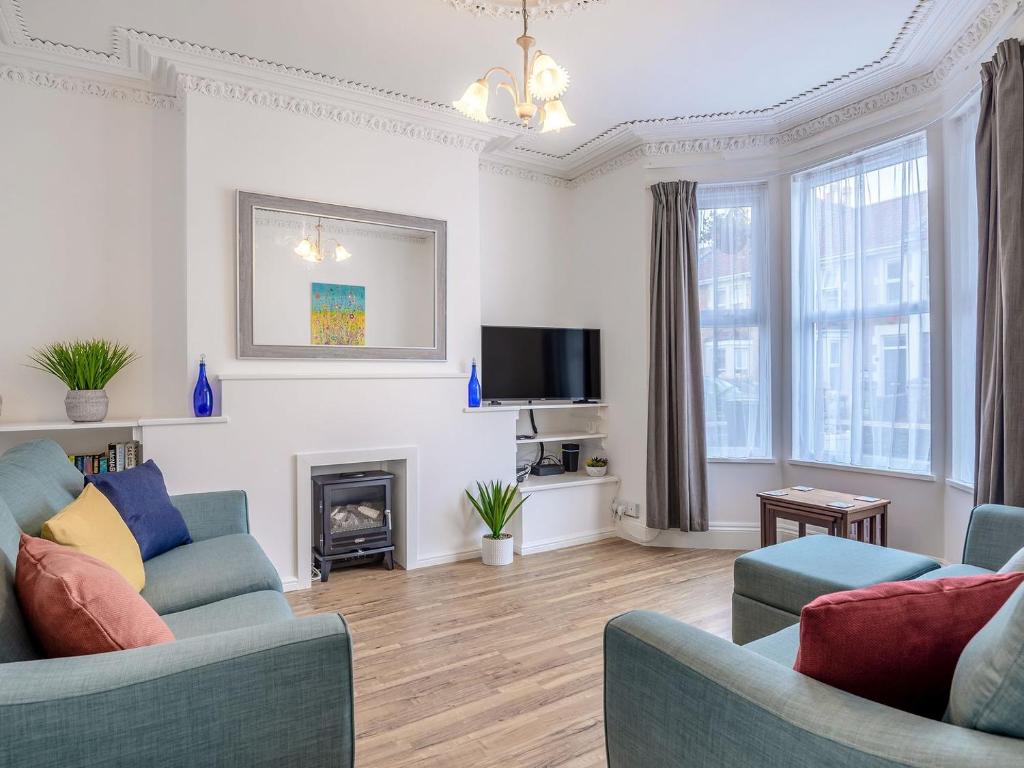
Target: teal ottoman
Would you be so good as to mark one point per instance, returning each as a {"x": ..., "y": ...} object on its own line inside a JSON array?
[{"x": 771, "y": 585}]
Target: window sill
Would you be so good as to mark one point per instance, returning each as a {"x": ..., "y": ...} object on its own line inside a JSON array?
[
  {"x": 960, "y": 485},
  {"x": 728, "y": 460},
  {"x": 864, "y": 470}
]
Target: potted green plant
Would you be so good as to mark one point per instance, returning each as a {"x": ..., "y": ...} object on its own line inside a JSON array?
[
  {"x": 85, "y": 367},
  {"x": 597, "y": 466},
  {"x": 494, "y": 503}
]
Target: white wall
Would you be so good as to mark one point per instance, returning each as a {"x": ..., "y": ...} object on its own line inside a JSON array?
[
  {"x": 93, "y": 243},
  {"x": 529, "y": 260}
]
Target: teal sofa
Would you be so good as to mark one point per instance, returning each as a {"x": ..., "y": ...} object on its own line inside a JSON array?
[
  {"x": 678, "y": 696},
  {"x": 244, "y": 683}
]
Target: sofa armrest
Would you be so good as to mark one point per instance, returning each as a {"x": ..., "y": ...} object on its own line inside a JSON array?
[
  {"x": 209, "y": 515},
  {"x": 276, "y": 694},
  {"x": 675, "y": 695},
  {"x": 994, "y": 533}
]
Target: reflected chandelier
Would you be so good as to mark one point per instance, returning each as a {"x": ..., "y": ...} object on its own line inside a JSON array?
[
  {"x": 543, "y": 80},
  {"x": 312, "y": 250}
]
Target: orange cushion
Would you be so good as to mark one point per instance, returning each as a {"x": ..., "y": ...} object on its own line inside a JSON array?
[{"x": 77, "y": 605}]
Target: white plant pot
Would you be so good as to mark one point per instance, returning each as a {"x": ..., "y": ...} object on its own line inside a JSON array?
[
  {"x": 597, "y": 471},
  {"x": 497, "y": 551},
  {"x": 86, "y": 404}
]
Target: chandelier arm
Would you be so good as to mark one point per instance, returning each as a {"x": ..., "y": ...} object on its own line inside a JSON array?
[{"x": 512, "y": 89}]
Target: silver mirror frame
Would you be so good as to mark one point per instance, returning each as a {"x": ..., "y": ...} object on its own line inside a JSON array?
[{"x": 247, "y": 201}]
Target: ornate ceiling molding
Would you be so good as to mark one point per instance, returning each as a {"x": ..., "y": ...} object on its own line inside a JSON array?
[
  {"x": 524, "y": 174},
  {"x": 325, "y": 110},
  {"x": 166, "y": 70},
  {"x": 511, "y": 9},
  {"x": 84, "y": 87}
]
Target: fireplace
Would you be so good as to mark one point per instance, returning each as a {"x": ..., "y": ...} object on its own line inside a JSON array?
[{"x": 352, "y": 520}]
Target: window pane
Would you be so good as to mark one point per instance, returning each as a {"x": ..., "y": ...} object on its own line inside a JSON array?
[
  {"x": 731, "y": 253},
  {"x": 861, "y": 362},
  {"x": 962, "y": 217}
]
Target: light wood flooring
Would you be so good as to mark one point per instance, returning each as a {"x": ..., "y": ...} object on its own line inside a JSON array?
[{"x": 463, "y": 665}]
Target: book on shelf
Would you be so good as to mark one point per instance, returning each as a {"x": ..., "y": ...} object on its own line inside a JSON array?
[{"x": 117, "y": 458}]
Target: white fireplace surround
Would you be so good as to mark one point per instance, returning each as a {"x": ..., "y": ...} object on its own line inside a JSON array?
[{"x": 405, "y": 515}]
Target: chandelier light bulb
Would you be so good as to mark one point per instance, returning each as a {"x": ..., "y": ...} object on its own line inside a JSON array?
[
  {"x": 304, "y": 248},
  {"x": 555, "y": 118},
  {"x": 473, "y": 103},
  {"x": 549, "y": 80},
  {"x": 341, "y": 253}
]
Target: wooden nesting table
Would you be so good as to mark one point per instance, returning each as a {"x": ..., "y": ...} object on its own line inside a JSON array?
[{"x": 864, "y": 520}]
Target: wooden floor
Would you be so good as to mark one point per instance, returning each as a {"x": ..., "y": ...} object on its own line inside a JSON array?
[{"x": 465, "y": 665}]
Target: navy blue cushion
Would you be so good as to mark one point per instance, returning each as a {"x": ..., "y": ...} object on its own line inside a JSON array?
[{"x": 140, "y": 495}]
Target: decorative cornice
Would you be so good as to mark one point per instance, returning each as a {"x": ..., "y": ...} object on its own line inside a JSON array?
[
  {"x": 323, "y": 110},
  {"x": 966, "y": 44},
  {"x": 84, "y": 87},
  {"x": 512, "y": 10},
  {"x": 773, "y": 111},
  {"x": 144, "y": 58},
  {"x": 524, "y": 174}
]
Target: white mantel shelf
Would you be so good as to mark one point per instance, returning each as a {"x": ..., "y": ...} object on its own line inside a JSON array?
[
  {"x": 535, "y": 484},
  {"x": 354, "y": 375},
  {"x": 556, "y": 437},
  {"x": 532, "y": 406},
  {"x": 126, "y": 423}
]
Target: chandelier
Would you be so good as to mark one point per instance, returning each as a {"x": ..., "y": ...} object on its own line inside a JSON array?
[
  {"x": 311, "y": 250},
  {"x": 543, "y": 80}
]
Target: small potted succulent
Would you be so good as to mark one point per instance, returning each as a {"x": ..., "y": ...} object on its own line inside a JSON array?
[
  {"x": 494, "y": 503},
  {"x": 85, "y": 367},
  {"x": 597, "y": 466}
]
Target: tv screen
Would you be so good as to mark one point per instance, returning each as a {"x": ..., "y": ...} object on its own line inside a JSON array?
[{"x": 540, "y": 363}]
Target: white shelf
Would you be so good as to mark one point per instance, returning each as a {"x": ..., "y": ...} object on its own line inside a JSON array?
[
  {"x": 532, "y": 406},
  {"x": 555, "y": 437},
  {"x": 535, "y": 484},
  {"x": 61, "y": 426}
]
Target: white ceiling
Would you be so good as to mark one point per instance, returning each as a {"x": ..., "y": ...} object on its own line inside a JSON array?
[{"x": 629, "y": 59}]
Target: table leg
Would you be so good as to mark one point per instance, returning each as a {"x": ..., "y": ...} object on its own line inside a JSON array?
[
  {"x": 842, "y": 528},
  {"x": 801, "y": 529},
  {"x": 883, "y": 524}
]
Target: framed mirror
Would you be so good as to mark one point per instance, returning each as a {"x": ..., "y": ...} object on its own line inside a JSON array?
[{"x": 317, "y": 280}]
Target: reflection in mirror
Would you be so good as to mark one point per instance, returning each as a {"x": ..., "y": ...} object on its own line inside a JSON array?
[
  {"x": 323, "y": 284},
  {"x": 325, "y": 281}
]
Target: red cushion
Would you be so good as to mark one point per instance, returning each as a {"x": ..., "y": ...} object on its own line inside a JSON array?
[
  {"x": 898, "y": 643},
  {"x": 76, "y": 604}
]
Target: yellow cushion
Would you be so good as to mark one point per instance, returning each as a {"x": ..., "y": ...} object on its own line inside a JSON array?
[{"x": 91, "y": 525}]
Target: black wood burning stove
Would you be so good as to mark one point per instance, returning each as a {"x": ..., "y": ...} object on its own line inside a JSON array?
[{"x": 352, "y": 520}]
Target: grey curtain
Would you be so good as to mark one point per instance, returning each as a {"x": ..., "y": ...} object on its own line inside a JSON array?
[
  {"x": 999, "y": 408},
  {"x": 677, "y": 495}
]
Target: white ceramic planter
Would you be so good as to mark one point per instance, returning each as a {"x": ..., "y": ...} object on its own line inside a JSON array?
[
  {"x": 597, "y": 471},
  {"x": 86, "y": 404},
  {"x": 497, "y": 551}
]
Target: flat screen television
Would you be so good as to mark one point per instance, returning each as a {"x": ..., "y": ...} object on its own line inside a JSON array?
[{"x": 540, "y": 363}]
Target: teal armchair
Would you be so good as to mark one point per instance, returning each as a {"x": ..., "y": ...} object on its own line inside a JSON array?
[
  {"x": 677, "y": 696},
  {"x": 244, "y": 683}
]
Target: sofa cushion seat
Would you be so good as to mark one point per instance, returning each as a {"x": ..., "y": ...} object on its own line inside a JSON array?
[
  {"x": 207, "y": 571},
  {"x": 788, "y": 576},
  {"x": 780, "y": 646},
  {"x": 264, "y": 607},
  {"x": 960, "y": 569}
]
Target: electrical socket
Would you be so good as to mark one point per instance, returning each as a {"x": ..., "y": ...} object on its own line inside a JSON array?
[{"x": 623, "y": 508}]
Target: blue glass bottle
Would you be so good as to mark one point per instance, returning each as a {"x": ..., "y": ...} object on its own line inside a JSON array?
[
  {"x": 474, "y": 387},
  {"x": 202, "y": 395}
]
